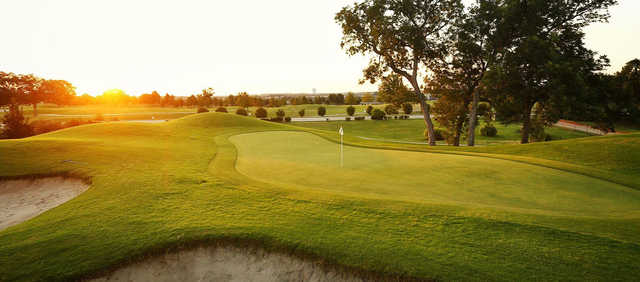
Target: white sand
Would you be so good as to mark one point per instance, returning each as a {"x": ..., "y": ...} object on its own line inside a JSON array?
[
  {"x": 23, "y": 199},
  {"x": 226, "y": 264}
]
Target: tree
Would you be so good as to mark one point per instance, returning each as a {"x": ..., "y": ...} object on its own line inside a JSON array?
[
  {"x": 544, "y": 61},
  {"x": 369, "y": 109},
  {"x": 18, "y": 89},
  {"x": 393, "y": 91},
  {"x": 191, "y": 101},
  {"x": 367, "y": 98},
  {"x": 204, "y": 98},
  {"x": 15, "y": 125},
  {"x": 407, "y": 108},
  {"x": 401, "y": 36},
  {"x": 280, "y": 113},
  {"x": 450, "y": 112},
  {"x": 351, "y": 99},
  {"x": 243, "y": 100},
  {"x": 351, "y": 110},
  {"x": 301, "y": 113},
  {"x": 630, "y": 77},
  {"x": 475, "y": 41},
  {"x": 322, "y": 111},
  {"x": 261, "y": 112},
  {"x": 168, "y": 100}
]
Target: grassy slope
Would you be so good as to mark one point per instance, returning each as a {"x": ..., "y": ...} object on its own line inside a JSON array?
[{"x": 155, "y": 185}]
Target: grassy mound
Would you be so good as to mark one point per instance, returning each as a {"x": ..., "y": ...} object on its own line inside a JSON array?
[{"x": 156, "y": 186}]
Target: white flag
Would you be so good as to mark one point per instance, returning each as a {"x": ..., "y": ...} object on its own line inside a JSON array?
[{"x": 341, "y": 131}]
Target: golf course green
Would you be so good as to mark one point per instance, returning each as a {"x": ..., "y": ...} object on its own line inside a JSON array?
[{"x": 560, "y": 210}]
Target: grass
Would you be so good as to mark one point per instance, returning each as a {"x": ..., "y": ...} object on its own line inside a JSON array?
[
  {"x": 413, "y": 131},
  {"x": 155, "y": 186}
]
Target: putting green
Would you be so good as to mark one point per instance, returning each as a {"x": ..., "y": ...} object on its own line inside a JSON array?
[{"x": 306, "y": 161}]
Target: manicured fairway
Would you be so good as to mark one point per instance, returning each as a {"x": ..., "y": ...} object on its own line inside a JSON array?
[
  {"x": 160, "y": 186},
  {"x": 310, "y": 162}
]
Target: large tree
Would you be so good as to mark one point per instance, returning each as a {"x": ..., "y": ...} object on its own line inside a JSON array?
[
  {"x": 545, "y": 61},
  {"x": 475, "y": 42},
  {"x": 393, "y": 91},
  {"x": 403, "y": 36}
]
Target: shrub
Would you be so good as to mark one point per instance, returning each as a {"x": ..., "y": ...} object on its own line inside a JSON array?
[
  {"x": 407, "y": 108},
  {"x": 44, "y": 126},
  {"x": 205, "y": 110},
  {"x": 221, "y": 110},
  {"x": 287, "y": 119},
  {"x": 483, "y": 108},
  {"x": 537, "y": 134},
  {"x": 347, "y": 118},
  {"x": 322, "y": 111},
  {"x": 439, "y": 134},
  {"x": 351, "y": 110},
  {"x": 301, "y": 113},
  {"x": 241, "y": 111},
  {"x": 276, "y": 119},
  {"x": 261, "y": 112},
  {"x": 378, "y": 114},
  {"x": 369, "y": 109},
  {"x": 489, "y": 131},
  {"x": 391, "y": 110},
  {"x": 280, "y": 113},
  {"x": 358, "y": 118},
  {"x": 15, "y": 124}
]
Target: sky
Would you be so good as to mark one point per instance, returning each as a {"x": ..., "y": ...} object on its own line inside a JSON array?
[{"x": 181, "y": 47}]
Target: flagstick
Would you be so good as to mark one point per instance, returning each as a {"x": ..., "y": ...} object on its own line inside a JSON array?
[{"x": 341, "y": 153}]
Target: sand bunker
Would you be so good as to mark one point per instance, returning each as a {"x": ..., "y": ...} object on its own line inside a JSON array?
[
  {"x": 227, "y": 263},
  {"x": 23, "y": 199}
]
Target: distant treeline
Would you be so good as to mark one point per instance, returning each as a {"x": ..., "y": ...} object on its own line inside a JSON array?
[{"x": 27, "y": 89}]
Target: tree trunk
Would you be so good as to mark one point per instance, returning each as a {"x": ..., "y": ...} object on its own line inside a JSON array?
[
  {"x": 35, "y": 109},
  {"x": 426, "y": 113},
  {"x": 473, "y": 119},
  {"x": 526, "y": 124},
  {"x": 458, "y": 131}
]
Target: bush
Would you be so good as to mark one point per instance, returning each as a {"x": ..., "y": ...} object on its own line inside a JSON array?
[
  {"x": 261, "y": 112},
  {"x": 205, "y": 110},
  {"x": 287, "y": 119},
  {"x": 347, "y": 118},
  {"x": 280, "y": 113},
  {"x": 369, "y": 109},
  {"x": 276, "y": 119},
  {"x": 301, "y": 113},
  {"x": 351, "y": 110},
  {"x": 489, "y": 131},
  {"x": 536, "y": 133},
  {"x": 15, "y": 124},
  {"x": 44, "y": 126},
  {"x": 221, "y": 110},
  {"x": 407, "y": 108},
  {"x": 391, "y": 110},
  {"x": 439, "y": 134},
  {"x": 358, "y": 118},
  {"x": 322, "y": 111},
  {"x": 378, "y": 114},
  {"x": 241, "y": 111}
]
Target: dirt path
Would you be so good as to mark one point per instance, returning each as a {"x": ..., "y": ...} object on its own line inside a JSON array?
[
  {"x": 578, "y": 127},
  {"x": 23, "y": 199}
]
